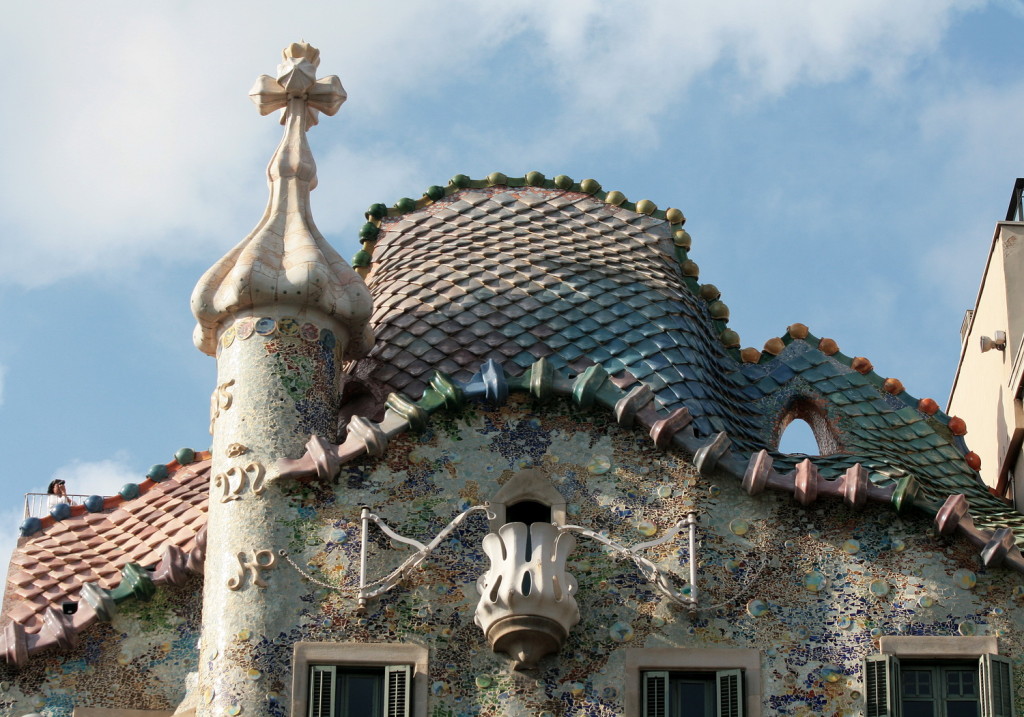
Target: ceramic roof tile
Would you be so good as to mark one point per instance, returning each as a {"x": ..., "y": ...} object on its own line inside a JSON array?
[
  {"x": 545, "y": 260},
  {"x": 56, "y": 562}
]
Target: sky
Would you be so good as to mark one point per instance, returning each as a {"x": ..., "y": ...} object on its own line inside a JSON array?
[{"x": 840, "y": 164}]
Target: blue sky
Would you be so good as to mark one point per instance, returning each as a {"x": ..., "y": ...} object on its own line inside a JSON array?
[{"x": 841, "y": 164}]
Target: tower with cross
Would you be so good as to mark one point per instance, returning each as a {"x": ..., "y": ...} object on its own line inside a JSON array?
[{"x": 280, "y": 312}]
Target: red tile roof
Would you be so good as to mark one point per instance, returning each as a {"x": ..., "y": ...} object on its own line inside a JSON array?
[{"x": 161, "y": 530}]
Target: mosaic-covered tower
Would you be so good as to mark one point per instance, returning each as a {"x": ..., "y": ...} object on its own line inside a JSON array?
[{"x": 280, "y": 312}]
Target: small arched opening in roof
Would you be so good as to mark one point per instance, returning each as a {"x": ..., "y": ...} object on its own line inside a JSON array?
[{"x": 805, "y": 427}]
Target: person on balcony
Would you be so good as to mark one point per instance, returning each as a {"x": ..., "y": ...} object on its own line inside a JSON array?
[{"x": 57, "y": 493}]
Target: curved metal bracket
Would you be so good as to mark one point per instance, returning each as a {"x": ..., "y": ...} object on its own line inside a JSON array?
[
  {"x": 651, "y": 572},
  {"x": 370, "y": 590}
]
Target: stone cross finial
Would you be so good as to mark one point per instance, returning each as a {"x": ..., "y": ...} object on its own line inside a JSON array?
[
  {"x": 296, "y": 79},
  {"x": 285, "y": 265}
]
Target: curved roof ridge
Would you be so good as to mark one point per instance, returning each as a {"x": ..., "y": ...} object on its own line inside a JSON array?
[
  {"x": 996, "y": 529},
  {"x": 156, "y": 475}
]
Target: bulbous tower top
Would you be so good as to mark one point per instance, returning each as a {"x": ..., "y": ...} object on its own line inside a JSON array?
[{"x": 285, "y": 262}]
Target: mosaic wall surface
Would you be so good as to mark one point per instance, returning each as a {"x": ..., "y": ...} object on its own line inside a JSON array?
[
  {"x": 140, "y": 660},
  {"x": 810, "y": 588},
  {"x": 835, "y": 580}
]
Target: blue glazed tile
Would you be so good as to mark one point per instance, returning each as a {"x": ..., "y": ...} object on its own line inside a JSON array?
[
  {"x": 663, "y": 340},
  {"x": 613, "y": 365},
  {"x": 588, "y": 325},
  {"x": 651, "y": 311},
  {"x": 782, "y": 373},
  {"x": 647, "y": 348},
  {"x": 630, "y": 357},
  {"x": 586, "y": 343},
  {"x": 570, "y": 353},
  {"x": 616, "y": 345},
  {"x": 657, "y": 361}
]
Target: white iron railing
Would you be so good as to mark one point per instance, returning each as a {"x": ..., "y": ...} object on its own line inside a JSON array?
[{"x": 37, "y": 505}]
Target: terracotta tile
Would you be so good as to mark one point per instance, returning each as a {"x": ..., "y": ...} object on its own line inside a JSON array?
[
  {"x": 21, "y": 612},
  {"x": 29, "y": 591}
]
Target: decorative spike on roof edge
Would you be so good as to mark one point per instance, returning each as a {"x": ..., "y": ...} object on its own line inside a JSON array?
[{"x": 637, "y": 408}]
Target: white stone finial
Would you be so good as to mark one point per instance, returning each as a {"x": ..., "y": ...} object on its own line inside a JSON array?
[
  {"x": 296, "y": 78},
  {"x": 285, "y": 261}
]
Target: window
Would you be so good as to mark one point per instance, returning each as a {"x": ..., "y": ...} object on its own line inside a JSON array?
[
  {"x": 692, "y": 682},
  {"x": 529, "y": 512},
  {"x": 693, "y": 694},
  {"x": 971, "y": 681},
  {"x": 359, "y": 680},
  {"x": 338, "y": 691},
  {"x": 528, "y": 497}
]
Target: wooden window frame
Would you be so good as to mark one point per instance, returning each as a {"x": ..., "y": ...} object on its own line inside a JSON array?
[
  {"x": 704, "y": 660},
  {"x": 882, "y": 687},
  {"x": 358, "y": 655}
]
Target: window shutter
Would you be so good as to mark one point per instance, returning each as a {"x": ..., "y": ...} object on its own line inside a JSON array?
[
  {"x": 396, "y": 690},
  {"x": 996, "y": 674},
  {"x": 655, "y": 694},
  {"x": 322, "y": 682},
  {"x": 729, "y": 686},
  {"x": 881, "y": 685}
]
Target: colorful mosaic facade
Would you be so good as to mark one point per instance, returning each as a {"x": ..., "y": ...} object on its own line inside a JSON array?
[
  {"x": 524, "y": 326},
  {"x": 812, "y": 590}
]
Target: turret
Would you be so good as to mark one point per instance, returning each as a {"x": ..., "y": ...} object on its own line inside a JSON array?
[{"x": 281, "y": 311}]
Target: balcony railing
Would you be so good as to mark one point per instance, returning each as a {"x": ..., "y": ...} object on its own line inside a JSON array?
[
  {"x": 37, "y": 505},
  {"x": 1015, "y": 212}
]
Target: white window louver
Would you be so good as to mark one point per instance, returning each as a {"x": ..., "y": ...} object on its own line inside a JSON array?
[
  {"x": 655, "y": 694},
  {"x": 879, "y": 680},
  {"x": 322, "y": 686},
  {"x": 729, "y": 686},
  {"x": 996, "y": 674},
  {"x": 396, "y": 690}
]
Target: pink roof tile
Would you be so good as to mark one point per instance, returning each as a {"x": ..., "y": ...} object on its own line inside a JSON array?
[{"x": 50, "y": 567}]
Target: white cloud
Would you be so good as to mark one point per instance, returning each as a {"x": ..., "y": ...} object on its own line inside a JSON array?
[
  {"x": 140, "y": 145},
  {"x": 976, "y": 130}
]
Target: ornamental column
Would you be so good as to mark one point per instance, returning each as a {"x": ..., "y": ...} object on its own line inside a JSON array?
[{"x": 280, "y": 312}]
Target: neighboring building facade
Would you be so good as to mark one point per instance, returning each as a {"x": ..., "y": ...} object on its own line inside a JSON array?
[
  {"x": 990, "y": 375},
  {"x": 513, "y": 462}
]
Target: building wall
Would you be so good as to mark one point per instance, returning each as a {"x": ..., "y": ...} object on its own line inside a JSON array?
[
  {"x": 140, "y": 660},
  {"x": 812, "y": 590},
  {"x": 983, "y": 394}
]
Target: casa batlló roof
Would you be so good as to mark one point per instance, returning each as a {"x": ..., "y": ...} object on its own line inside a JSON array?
[{"x": 553, "y": 288}]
